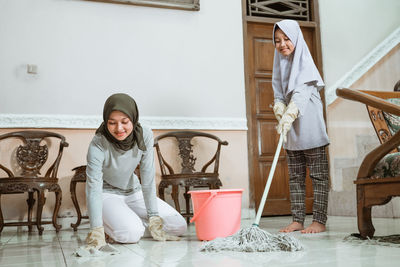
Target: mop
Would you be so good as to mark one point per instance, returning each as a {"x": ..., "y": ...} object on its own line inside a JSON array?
[{"x": 254, "y": 239}]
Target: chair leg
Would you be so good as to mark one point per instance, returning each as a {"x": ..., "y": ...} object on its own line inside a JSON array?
[
  {"x": 72, "y": 189},
  {"x": 365, "y": 225},
  {"x": 364, "y": 219},
  {"x": 161, "y": 188},
  {"x": 1, "y": 218},
  {"x": 175, "y": 197},
  {"x": 187, "y": 200},
  {"x": 31, "y": 203},
  {"x": 56, "y": 209},
  {"x": 218, "y": 184},
  {"x": 41, "y": 201}
]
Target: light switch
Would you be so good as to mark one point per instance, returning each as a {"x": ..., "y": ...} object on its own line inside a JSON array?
[{"x": 32, "y": 69}]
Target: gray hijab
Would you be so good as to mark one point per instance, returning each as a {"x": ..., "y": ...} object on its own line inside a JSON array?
[{"x": 298, "y": 68}]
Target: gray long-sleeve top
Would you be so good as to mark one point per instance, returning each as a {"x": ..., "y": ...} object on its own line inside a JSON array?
[
  {"x": 110, "y": 169},
  {"x": 308, "y": 130}
]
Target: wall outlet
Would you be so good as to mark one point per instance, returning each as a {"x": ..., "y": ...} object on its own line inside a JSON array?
[{"x": 32, "y": 69}]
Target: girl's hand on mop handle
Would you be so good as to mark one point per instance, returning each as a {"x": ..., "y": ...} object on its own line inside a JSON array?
[
  {"x": 287, "y": 119},
  {"x": 279, "y": 108}
]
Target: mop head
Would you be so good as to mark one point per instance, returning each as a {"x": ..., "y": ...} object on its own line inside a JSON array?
[{"x": 254, "y": 239}]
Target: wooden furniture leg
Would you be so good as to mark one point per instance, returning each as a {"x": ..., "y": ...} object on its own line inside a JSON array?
[
  {"x": 72, "y": 189},
  {"x": 161, "y": 189},
  {"x": 31, "y": 203},
  {"x": 175, "y": 197},
  {"x": 187, "y": 200},
  {"x": 1, "y": 218},
  {"x": 56, "y": 209},
  {"x": 41, "y": 201},
  {"x": 364, "y": 219}
]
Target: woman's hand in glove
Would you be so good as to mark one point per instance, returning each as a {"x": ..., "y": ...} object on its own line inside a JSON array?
[
  {"x": 96, "y": 245},
  {"x": 95, "y": 238},
  {"x": 157, "y": 232},
  {"x": 279, "y": 109},
  {"x": 287, "y": 119}
]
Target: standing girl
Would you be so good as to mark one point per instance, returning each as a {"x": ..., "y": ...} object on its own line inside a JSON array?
[
  {"x": 298, "y": 108},
  {"x": 118, "y": 204}
]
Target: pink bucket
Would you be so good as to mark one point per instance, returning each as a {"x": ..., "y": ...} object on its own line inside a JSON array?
[{"x": 216, "y": 212}]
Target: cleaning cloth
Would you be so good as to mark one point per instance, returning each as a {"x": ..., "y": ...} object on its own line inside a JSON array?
[{"x": 86, "y": 251}]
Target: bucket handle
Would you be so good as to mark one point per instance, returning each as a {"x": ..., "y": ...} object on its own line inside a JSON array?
[{"x": 213, "y": 194}]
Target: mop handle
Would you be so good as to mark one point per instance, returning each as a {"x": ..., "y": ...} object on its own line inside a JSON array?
[{"x": 269, "y": 181}]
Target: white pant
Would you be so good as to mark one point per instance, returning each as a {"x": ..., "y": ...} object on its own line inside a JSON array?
[{"x": 125, "y": 217}]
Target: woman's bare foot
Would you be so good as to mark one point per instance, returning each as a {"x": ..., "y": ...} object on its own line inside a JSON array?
[
  {"x": 294, "y": 226},
  {"x": 315, "y": 227}
]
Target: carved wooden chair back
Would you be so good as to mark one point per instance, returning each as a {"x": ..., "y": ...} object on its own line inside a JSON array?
[
  {"x": 188, "y": 172},
  {"x": 186, "y": 153},
  {"x": 378, "y": 178},
  {"x": 377, "y": 116},
  {"x": 30, "y": 157}
]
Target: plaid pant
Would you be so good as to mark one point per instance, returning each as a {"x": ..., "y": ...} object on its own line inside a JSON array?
[{"x": 316, "y": 160}]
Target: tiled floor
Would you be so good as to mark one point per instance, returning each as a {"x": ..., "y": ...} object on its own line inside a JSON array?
[{"x": 325, "y": 249}]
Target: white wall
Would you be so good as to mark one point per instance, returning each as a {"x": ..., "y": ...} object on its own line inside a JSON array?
[
  {"x": 351, "y": 29},
  {"x": 173, "y": 62}
]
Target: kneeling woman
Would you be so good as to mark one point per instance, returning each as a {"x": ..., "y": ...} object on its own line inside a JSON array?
[{"x": 118, "y": 204}]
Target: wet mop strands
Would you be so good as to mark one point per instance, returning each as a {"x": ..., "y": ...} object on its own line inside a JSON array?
[{"x": 254, "y": 239}]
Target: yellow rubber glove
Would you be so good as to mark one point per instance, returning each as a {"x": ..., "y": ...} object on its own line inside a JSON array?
[
  {"x": 287, "y": 119},
  {"x": 279, "y": 109},
  {"x": 157, "y": 232},
  {"x": 95, "y": 238}
]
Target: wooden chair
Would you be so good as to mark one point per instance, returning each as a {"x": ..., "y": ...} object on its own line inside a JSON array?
[
  {"x": 31, "y": 155},
  {"x": 378, "y": 178},
  {"x": 187, "y": 176},
  {"x": 80, "y": 177}
]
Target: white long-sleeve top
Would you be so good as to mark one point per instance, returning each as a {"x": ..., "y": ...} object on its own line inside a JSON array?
[{"x": 111, "y": 169}]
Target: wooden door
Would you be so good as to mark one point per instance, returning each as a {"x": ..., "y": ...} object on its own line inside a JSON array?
[{"x": 263, "y": 138}]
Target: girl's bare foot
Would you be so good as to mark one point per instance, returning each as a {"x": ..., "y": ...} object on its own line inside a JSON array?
[
  {"x": 315, "y": 227},
  {"x": 294, "y": 226}
]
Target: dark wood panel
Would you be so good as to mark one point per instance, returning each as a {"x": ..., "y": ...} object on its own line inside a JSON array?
[
  {"x": 278, "y": 201},
  {"x": 264, "y": 94},
  {"x": 268, "y": 138},
  {"x": 263, "y": 48},
  {"x": 279, "y": 181}
]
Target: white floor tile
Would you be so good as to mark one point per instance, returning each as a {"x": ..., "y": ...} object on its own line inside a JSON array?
[{"x": 323, "y": 249}]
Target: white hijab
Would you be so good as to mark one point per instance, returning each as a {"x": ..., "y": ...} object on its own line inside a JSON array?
[{"x": 298, "y": 68}]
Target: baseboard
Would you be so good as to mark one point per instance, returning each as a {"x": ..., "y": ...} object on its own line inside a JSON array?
[{"x": 65, "y": 223}]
